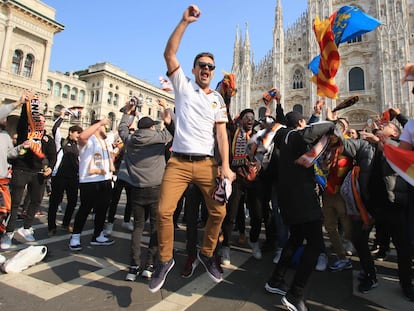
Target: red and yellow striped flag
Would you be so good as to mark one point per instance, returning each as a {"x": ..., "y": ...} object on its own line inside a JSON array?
[{"x": 329, "y": 60}]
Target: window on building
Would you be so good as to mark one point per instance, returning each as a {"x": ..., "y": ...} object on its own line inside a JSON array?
[
  {"x": 49, "y": 85},
  {"x": 92, "y": 96},
  {"x": 149, "y": 111},
  {"x": 355, "y": 40},
  {"x": 109, "y": 100},
  {"x": 298, "y": 80},
  {"x": 57, "y": 89},
  {"x": 262, "y": 112},
  {"x": 65, "y": 92},
  {"x": 92, "y": 115},
  {"x": 73, "y": 93},
  {"x": 28, "y": 66},
  {"x": 111, "y": 116},
  {"x": 298, "y": 108},
  {"x": 57, "y": 108},
  {"x": 356, "y": 79},
  {"x": 97, "y": 96},
  {"x": 116, "y": 99},
  {"x": 16, "y": 62},
  {"x": 82, "y": 96}
]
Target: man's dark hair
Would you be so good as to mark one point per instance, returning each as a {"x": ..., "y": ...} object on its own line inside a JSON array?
[
  {"x": 246, "y": 111},
  {"x": 202, "y": 54},
  {"x": 75, "y": 128}
]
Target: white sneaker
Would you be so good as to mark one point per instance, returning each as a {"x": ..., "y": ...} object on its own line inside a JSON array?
[
  {"x": 256, "y": 252},
  {"x": 225, "y": 255},
  {"x": 26, "y": 234},
  {"x": 75, "y": 243},
  {"x": 322, "y": 263},
  {"x": 277, "y": 255},
  {"x": 108, "y": 228},
  {"x": 2, "y": 259},
  {"x": 6, "y": 240},
  {"x": 128, "y": 225},
  {"x": 102, "y": 240}
]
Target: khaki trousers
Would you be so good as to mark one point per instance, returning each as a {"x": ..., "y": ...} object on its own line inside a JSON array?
[
  {"x": 334, "y": 210},
  {"x": 178, "y": 174}
]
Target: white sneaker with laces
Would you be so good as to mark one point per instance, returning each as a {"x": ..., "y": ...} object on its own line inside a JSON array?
[
  {"x": 6, "y": 240},
  {"x": 27, "y": 234},
  {"x": 102, "y": 240},
  {"x": 75, "y": 243},
  {"x": 277, "y": 255},
  {"x": 322, "y": 263},
  {"x": 108, "y": 228},
  {"x": 256, "y": 252},
  {"x": 225, "y": 255},
  {"x": 128, "y": 225}
]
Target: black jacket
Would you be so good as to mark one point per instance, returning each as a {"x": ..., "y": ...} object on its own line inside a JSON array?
[
  {"x": 29, "y": 161},
  {"x": 298, "y": 200}
]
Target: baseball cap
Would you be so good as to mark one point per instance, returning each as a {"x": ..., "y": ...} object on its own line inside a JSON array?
[{"x": 146, "y": 122}]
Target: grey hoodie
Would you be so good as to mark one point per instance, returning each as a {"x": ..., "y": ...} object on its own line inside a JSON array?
[{"x": 144, "y": 160}]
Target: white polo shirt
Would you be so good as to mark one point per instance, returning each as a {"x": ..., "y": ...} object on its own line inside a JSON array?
[{"x": 196, "y": 115}]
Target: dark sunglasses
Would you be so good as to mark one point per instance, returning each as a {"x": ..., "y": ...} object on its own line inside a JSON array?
[{"x": 203, "y": 64}]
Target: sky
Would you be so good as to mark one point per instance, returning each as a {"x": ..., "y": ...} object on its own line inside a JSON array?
[{"x": 132, "y": 34}]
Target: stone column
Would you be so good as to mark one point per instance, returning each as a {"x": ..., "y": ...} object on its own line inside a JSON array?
[
  {"x": 46, "y": 61},
  {"x": 6, "y": 47}
]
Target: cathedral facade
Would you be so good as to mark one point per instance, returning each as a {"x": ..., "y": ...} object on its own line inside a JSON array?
[{"x": 371, "y": 65}]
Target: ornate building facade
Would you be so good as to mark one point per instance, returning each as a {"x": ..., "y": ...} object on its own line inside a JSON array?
[
  {"x": 27, "y": 29},
  {"x": 371, "y": 65}
]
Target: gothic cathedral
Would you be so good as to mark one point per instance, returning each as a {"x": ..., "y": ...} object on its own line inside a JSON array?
[{"x": 370, "y": 65}]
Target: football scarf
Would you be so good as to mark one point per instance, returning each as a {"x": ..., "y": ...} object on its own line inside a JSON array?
[{"x": 35, "y": 126}]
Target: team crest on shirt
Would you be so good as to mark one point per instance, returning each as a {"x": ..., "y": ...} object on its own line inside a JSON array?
[{"x": 214, "y": 105}]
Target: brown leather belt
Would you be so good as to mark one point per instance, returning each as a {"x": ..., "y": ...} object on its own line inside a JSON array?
[{"x": 190, "y": 157}]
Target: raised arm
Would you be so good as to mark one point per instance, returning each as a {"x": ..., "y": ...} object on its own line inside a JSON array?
[{"x": 191, "y": 14}]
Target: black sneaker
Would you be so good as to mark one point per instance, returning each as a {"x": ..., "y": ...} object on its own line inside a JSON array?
[
  {"x": 374, "y": 248},
  {"x": 133, "y": 272},
  {"x": 293, "y": 303},
  {"x": 276, "y": 287},
  {"x": 381, "y": 255},
  {"x": 210, "y": 265},
  {"x": 159, "y": 275},
  {"x": 148, "y": 271},
  {"x": 367, "y": 284},
  {"x": 189, "y": 267}
]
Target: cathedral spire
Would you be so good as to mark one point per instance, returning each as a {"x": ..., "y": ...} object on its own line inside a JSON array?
[
  {"x": 278, "y": 14},
  {"x": 246, "y": 55}
]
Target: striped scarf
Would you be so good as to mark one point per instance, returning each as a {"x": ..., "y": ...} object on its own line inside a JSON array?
[{"x": 239, "y": 147}]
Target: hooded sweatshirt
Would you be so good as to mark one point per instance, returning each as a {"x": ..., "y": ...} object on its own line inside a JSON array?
[{"x": 144, "y": 160}]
